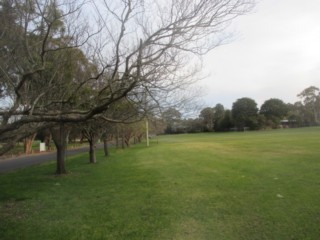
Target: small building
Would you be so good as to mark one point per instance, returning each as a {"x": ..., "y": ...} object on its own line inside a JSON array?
[{"x": 286, "y": 123}]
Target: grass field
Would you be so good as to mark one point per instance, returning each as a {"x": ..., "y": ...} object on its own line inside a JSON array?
[{"x": 251, "y": 185}]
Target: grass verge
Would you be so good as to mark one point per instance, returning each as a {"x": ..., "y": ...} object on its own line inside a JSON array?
[{"x": 252, "y": 185}]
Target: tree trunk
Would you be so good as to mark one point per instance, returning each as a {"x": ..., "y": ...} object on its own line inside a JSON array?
[
  {"x": 127, "y": 138},
  {"x": 28, "y": 143},
  {"x": 92, "y": 152},
  {"x": 61, "y": 157},
  {"x": 122, "y": 141},
  {"x": 59, "y": 136},
  {"x": 117, "y": 138},
  {"x": 48, "y": 141},
  {"x": 105, "y": 147}
]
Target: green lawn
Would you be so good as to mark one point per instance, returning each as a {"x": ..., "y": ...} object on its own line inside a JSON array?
[{"x": 251, "y": 185}]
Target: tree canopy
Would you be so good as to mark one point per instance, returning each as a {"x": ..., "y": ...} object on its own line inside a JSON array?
[{"x": 244, "y": 113}]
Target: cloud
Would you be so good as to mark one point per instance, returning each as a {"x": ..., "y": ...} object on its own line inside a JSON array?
[{"x": 275, "y": 54}]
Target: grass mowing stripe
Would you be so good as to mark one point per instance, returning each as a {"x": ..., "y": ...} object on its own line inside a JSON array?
[{"x": 251, "y": 185}]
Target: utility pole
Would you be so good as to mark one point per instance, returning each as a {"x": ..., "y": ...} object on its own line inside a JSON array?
[
  {"x": 147, "y": 131},
  {"x": 145, "y": 93}
]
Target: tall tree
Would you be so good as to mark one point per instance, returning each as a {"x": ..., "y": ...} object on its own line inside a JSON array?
[{"x": 311, "y": 100}]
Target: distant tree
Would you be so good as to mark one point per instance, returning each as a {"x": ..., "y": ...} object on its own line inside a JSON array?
[
  {"x": 311, "y": 100},
  {"x": 193, "y": 125},
  {"x": 226, "y": 123},
  {"x": 172, "y": 117},
  {"x": 207, "y": 117},
  {"x": 218, "y": 116},
  {"x": 157, "y": 125},
  {"x": 274, "y": 110},
  {"x": 304, "y": 116},
  {"x": 244, "y": 113},
  {"x": 295, "y": 114}
]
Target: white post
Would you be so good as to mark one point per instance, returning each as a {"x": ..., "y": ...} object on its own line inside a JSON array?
[{"x": 42, "y": 147}]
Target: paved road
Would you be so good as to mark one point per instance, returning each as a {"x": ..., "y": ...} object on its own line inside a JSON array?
[{"x": 14, "y": 163}]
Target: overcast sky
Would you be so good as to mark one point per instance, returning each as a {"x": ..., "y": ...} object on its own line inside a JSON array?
[{"x": 275, "y": 53}]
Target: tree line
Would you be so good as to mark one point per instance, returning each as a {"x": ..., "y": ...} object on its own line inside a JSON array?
[
  {"x": 245, "y": 115},
  {"x": 90, "y": 64}
]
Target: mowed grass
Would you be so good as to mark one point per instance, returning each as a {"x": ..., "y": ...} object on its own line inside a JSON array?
[{"x": 249, "y": 185}]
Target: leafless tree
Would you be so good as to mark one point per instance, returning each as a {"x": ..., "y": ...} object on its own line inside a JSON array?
[{"x": 57, "y": 66}]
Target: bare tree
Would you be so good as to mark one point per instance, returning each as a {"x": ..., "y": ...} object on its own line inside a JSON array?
[
  {"x": 40, "y": 63},
  {"x": 93, "y": 131},
  {"x": 54, "y": 70}
]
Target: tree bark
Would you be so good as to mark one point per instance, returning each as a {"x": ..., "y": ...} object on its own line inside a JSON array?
[
  {"x": 105, "y": 147},
  {"x": 47, "y": 141},
  {"x": 61, "y": 156},
  {"x": 92, "y": 145},
  {"x": 122, "y": 140},
  {"x": 28, "y": 143},
  {"x": 59, "y": 136},
  {"x": 117, "y": 137}
]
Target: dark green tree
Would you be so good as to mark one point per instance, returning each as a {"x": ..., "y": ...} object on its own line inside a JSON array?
[
  {"x": 218, "y": 116},
  {"x": 226, "y": 123},
  {"x": 244, "y": 113},
  {"x": 274, "y": 110}
]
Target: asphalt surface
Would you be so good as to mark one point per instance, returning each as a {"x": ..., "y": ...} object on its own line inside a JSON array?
[{"x": 14, "y": 163}]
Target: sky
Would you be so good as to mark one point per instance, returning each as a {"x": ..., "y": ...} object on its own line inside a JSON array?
[{"x": 274, "y": 53}]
